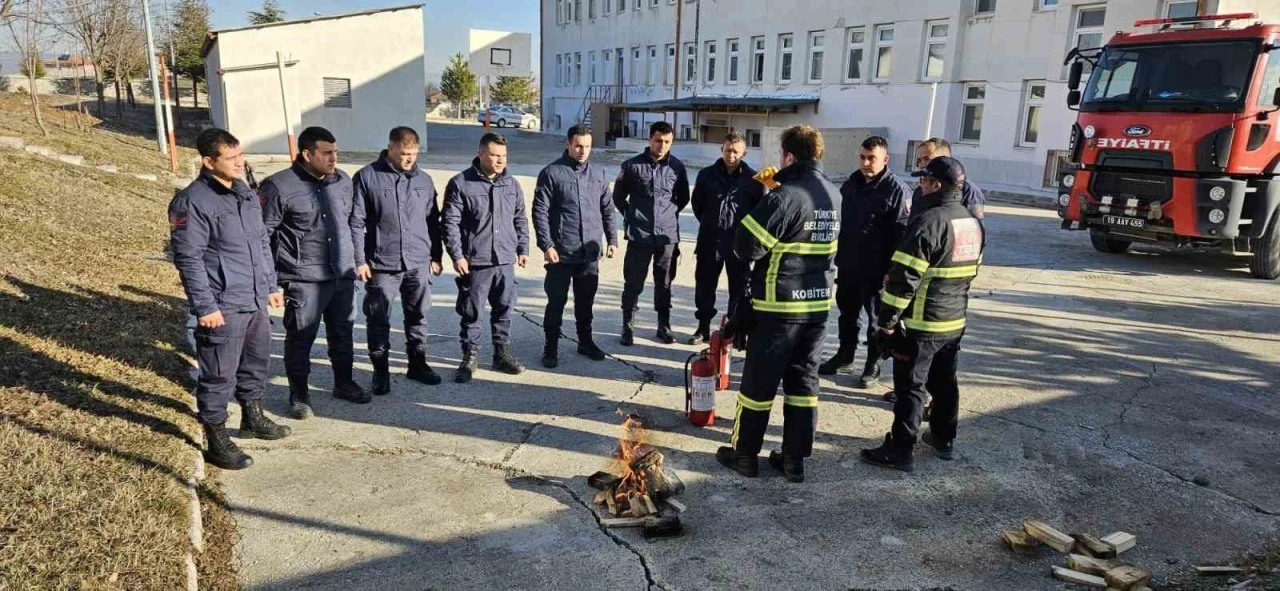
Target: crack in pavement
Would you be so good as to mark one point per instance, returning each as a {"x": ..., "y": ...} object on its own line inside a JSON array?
[
  {"x": 1148, "y": 383},
  {"x": 645, "y": 375}
]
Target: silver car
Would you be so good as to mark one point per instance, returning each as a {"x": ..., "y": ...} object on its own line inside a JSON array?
[{"x": 507, "y": 116}]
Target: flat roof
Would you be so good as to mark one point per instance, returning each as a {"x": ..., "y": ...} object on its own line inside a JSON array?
[
  {"x": 725, "y": 103},
  {"x": 212, "y": 37}
]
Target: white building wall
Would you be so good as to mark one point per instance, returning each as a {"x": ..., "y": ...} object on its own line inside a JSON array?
[
  {"x": 380, "y": 53},
  {"x": 1022, "y": 41}
]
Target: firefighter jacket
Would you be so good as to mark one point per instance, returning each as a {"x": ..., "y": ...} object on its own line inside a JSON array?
[
  {"x": 573, "y": 210},
  {"x": 650, "y": 194},
  {"x": 873, "y": 216},
  {"x": 928, "y": 284},
  {"x": 484, "y": 219},
  {"x": 308, "y": 220},
  {"x": 791, "y": 238},
  {"x": 395, "y": 222},
  {"x": 720, "y": 199}
]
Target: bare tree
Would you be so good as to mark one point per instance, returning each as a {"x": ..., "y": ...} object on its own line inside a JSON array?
[
  {"x": 126, "y": 54},
  {"x": 96, "y": 25},
  {"x": 6, "y": 9},
  {"x": 28, "y": 31}
]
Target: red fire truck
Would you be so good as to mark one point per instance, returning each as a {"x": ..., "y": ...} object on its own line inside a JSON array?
[{"x": 1177, "y": 139}]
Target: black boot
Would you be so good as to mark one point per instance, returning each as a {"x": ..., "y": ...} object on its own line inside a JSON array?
[
  {"x": 627, "y": 339},
  {"x": 870, "y": 375},
  {"x": 255, "y": 425},
  {"x": 587, "y": 347},
  {"x": 551, "y": 351},
  {"x": 419, "y": 370},
  {"x": 745, "y": 465},
  {"x": 944, "y": 450},
  {"x": 792, "y": 468},
  {"x": 300, "y": 398},
  {"x": 221, "y": 451},
  {"x": 839, "y": 362},
  {"x": 703, "y": 334},
  {"x": 381, "y": 374},
  {"x": 504, "y": 362},
  {"x": 344, "y": 388},
  {"x": 467, "y": 368},
  {"x": 889, "y": 455},
  {"x": 664, "y": 328}
]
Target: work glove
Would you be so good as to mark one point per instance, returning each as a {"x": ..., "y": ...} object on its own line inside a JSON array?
[
  {"x": 891, "y": 342},
  {"x": 765, "y": 176},
  {"x": 740, "y": 324}
]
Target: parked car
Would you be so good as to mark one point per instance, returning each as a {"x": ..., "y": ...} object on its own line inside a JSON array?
[{"x": 506, "y": 116}]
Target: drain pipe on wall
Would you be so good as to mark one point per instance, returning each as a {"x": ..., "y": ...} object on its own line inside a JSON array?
[{"x": 928, "y": 122}]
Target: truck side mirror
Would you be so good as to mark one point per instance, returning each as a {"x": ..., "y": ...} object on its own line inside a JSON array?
[
  {"x": 1275, "y": 100},
  {"x": 1073, "y": 78},
  {"x": 1073, "y": 98}
]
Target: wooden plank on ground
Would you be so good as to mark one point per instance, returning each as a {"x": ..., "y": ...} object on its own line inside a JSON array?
[
  {"x": 1047, "y": 534},
  {"x": 1079, "y": 578},
  {"x": 1091, "y": 545},
  {"x": 1218, "y": 571},
  {"x": 1127, "y": 578},
  {"x": 1120, "y": 541},
  {"x": 1019, "y": 541},
  {"x": 1090, "y": 565},
  {"x": 623, "y": 522}
]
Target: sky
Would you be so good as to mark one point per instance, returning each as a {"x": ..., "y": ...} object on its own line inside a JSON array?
[{"x": 446, "y": 28}]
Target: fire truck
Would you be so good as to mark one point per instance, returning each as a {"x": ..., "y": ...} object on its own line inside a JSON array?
[{"x": 1177, "y": 138}]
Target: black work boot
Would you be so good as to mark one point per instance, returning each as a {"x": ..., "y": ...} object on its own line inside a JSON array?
[
  {"x": 467, "y": 368},
  {"x": 420, "y": 371},
  {"x": 745, "y": 465},
  {"x": 944, "y": 450},
  {"x": 891, "y": 397},
  {"x": 587, "y": 347},
  {"x": 300, "y": 398},
  {"x": 870, "y": 375},
  {"x": 381, "y": 374},
  {"x": 344, "y": 388},
  {"x": 551, "y": 351},
  {"x": 889, "y": 456},
  {"x": 664, "y": 328},
  {"x": 221, "y": 451},
  {"x": 792, "y": 468},
  {"x": 627, "y": 339},
  {"x": 255, "y": 425},
  {"x": 703, "y": 334},
  {"x": 504, "y": 362},
  {"x": 841, "y": 361}
]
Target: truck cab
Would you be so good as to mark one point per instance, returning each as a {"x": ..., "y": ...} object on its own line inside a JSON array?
[{"x": 1177, "y": 139}]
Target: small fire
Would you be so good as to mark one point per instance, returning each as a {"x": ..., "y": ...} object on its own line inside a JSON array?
[{"x": 633, "y": 445}]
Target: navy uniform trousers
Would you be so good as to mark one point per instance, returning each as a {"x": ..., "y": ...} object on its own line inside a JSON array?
[
  {"x": 495, "y": 284},
  {"x": 233, "y": 360},
  {"x": 636, "y": 263},
  {"x": 786, "y": 353},
  {"x": 857, "y": 295},
  {"x": 414, "y": 288},
  {"x": 585, "y": 278},
  {"x": 307, "y": 303}
]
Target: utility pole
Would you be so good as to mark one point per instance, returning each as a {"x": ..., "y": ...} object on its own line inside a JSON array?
[
  {"x": 675, "y": 84},
  {"x": 155, "y": 78},
  {"x": 288, "y": 117}
]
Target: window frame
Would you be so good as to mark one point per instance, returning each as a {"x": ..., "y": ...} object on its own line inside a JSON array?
[
  {"x": 591, "y": 9},
  {"x": 577, "y": 68},
  {"x": 559, "y": 70},
  {"x": 980, "y": 107},
  {"x": 878, "y": 44},
  {"x": 635, "y": 64},
  {"x": 669, "y": 65},
  {"x": 977, "y": 7},
  {"x": 690, "y": 63},
  {"x": 789, "y": 64},
  {"x": 759, "y": 48},
  {"x": 709, "y": 55},
  {"x": 733, "y": 61},
  {"x": 1169, "y": 4},
  {"x": 929, "y": 42},
  {"x": 650, "y": 65},
  {"x": 819, "y": 52},
  {"x": 849, "y": 47},
  {"x": 1045, "y": 5},
  {"x": 1030, "y": 102},
  {"x": 591, "y": 58}
]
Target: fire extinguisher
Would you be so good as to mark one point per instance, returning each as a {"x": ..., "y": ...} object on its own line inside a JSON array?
[
  {"x": 700, "y": 389},
  {"x": 721, "y": 347}
]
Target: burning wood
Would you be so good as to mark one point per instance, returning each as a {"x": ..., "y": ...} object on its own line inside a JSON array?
[{"x": 642, "y": 487}]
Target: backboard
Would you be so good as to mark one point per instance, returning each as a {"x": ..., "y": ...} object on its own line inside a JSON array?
[{"x": 501, "y": 53}]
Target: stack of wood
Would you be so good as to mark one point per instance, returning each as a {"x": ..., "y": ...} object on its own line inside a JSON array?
[
  {"x": 642, "y": 496},
  {"x": 1091, "y": 561}
]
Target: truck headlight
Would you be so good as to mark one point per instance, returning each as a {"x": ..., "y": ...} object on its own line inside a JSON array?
[
  {"x": 1069, "y": 181},
  {"x": 1217, "y": 216},
  {"x": 1064, "y": 199},
  {"x": 1217, "y": 194}
]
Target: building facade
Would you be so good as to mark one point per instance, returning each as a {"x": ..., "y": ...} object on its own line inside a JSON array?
[
  {"x": 357, "y": 75},
  {"x": 990, "y": 72}
]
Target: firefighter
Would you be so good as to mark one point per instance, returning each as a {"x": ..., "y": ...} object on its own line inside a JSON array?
[
  {"x": 650, "y": 192},
  {"x": 307, "y": 209},
  {"x": 485, "y": 232},
  {"x": 971, "y": 196},
  {"x": 722, "y": 195},
  {"x": 572, "y": 209},
  {"x": 223, "y": 256},
  {"x": 928, "y": 289},
  {"x": 791, "y": 239},
  {"x": 874, "y": 215},
  {"x": 395, "y": 223}
]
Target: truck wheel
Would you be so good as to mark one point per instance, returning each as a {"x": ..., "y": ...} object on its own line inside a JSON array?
[
  {"x": 1104, "y": 243},
  {"x": 1266, "y": 251}
]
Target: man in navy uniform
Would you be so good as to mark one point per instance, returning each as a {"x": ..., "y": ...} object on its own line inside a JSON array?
[
  {"x": 223, "y": 256},
  {"x": 395, "y": 226},
  {"x": 486, "y": 232},
  {"x": 572, "y": 209},
  {"x": 307, "y": 210}
]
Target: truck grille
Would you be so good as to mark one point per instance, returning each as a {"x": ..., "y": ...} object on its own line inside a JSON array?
[{"x": 1122, "y": 174}]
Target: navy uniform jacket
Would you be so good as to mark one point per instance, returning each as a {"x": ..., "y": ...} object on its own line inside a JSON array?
[
  {"x": 971, "y": 197},
  {"x": 308, "y": 221},
  {"x": 873, "y": 219},
  {"x": 650, "y": 194},
  {"x": 220, "y": 247},
  {"x": 484, "y": 220},
  {"x": 721, "y": 200},
  {"x": 395, "y": 219},
  {"x": 572, "y": 209}
]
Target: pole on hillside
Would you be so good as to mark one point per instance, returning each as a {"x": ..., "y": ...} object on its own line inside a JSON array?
[
  {"x": 168, "y": 111},
  {"x": 155, "y": 78},
  {"x": 675, "y": 84},
  {"x": 484, "y": 101},
  {"x": 288, "y": 119}
]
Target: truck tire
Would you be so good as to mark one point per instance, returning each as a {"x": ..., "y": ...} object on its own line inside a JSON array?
[
  {"x": 1103, "y": 242},
  {"x": 1266, "y": 251}
]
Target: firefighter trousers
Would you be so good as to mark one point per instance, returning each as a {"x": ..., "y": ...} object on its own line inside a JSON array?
[
  {"x": 930, "y": 369},
  {"x": 786, "y": 353},
  {"x": 855, "y": 296},
  {"x": 707, "y": 281}
]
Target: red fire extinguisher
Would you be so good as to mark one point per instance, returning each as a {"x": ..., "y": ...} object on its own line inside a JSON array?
[
  {"x": 700, "y": 389},
  {"x": 721, "y": 347}
]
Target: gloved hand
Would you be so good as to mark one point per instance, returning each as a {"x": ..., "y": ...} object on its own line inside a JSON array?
[
  {"x": 740, "y": 324},
  {"x": 889, "y": 342},
  {"x": 765, "y": 177}
]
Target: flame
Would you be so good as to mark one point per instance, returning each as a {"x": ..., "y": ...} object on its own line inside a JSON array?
[{"x": 632, "y": 444}]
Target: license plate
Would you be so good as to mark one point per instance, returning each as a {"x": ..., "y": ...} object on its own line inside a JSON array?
[{"x": 1115, "y": 220}]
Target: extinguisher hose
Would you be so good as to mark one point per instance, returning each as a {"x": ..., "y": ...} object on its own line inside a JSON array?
[{"x": 688, "y": 385}]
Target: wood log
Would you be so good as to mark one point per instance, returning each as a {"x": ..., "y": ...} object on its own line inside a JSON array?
[
  {"x": 648, "y": 504},
  {"x": 1050, "y": 536},
  {"x": 1019, "y": 541},
  {"x": 601, "y": 496},
  {"x": 602, "y": 480},
  {"x": 1089, "y": 544},
  {"x": 1079, "y": 578},
  {"x": 662, "y": 527},
  {"x": 1090, "y": 565},
  {"x": 636, "y": 506},
  {"x": 612, "y": 503},
  {"x": 677, "y": 505},
  {"x": 1127, "y": 578},
  {"x": 623, "y": 522},
  {"x": 1120, "y": 541},
  {"x": 1218, "y": 571}
]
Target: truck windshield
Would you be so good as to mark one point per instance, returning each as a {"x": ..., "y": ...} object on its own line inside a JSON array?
[{"x": 1191, "y": 77}]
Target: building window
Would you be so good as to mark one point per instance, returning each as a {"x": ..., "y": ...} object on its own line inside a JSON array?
[
  {"x": 757, "y": 59},
  {"x": 884, "y": 53},
  {"x": 985, "y": 7},
  {"x": 622, "y": 6},
  {"x": 337, "y": 93},
  {"x": 568, "y": 69},
  {"x": 753, "y": 138},
  {"x": 711, "y": 62},
  {"x": 591, "y": 8},
  {"x": 1046, "y": 4},
  {"x": 669, "y": 66},
  {"x": 785, "y": 42},
  {"x": 607, "y": 6},
  {"x": 686, "y": 132},
  {"x": 817, "y": 51},
  {"x": 1088, "y": 29},
  {"x": 635, "y": 65},
  {"x": 653, "y": 3},
  {"x": 690, "y": 60},
  {"x": 935, "y": 52},
  {"x": 559, "y": 12},
  {"x": 577, "y": 69},
  {"x": 577, "y": 10},
  {"x": 971, "y": 124},
  {"x": 855, "y": 48},
  {"x": 1180, "y": 9},
  {"x": 1032, "y": 105},
  {"x": 651, "y": 69},
  {"x": 559, "y": 70},
  {"x": 637, "y": 5},
  {"x": 591, "y": 57},
  {"x": 731, "y": 76}
]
